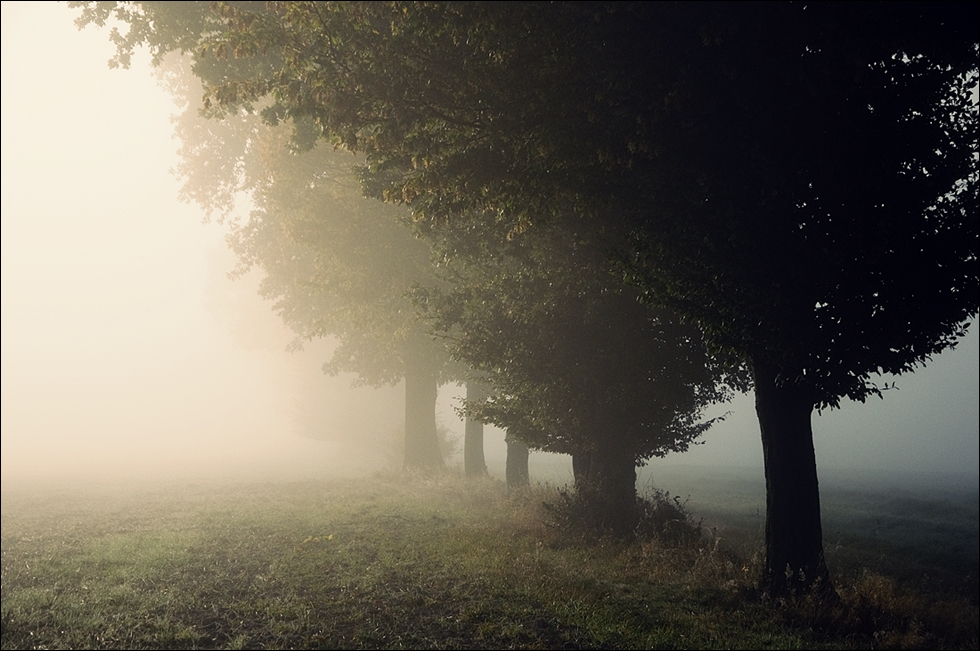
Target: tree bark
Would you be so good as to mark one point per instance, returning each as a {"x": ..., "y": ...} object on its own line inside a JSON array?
[
  {"x": 421, "y": 439},
  {"x": 581, "y": 467},
  {"x": 517, "y": 472},
  {"x": 795, "y": 564},
  {"x": 605, "y": 481},
  {"x": 474, "y": 461}
]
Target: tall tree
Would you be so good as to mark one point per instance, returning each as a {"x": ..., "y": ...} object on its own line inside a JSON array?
[
  {"x": 798, "y": 178},
  {"x": 335, "y": 264},
  {"x": 577, "y": 365},
  {"x": 338, "y": 264},
  {"x": 474, "y": 460}
]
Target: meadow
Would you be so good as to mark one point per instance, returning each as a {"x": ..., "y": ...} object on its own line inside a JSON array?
[{"x": 394, "y": 561}]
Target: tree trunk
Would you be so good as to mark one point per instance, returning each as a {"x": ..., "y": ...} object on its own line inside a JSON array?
[
  {"x": 795, "y": 563},
  {"x": 517, "y": 473},
  {"x": 581, "y": 467},
  {"x": 421, "y": 439},
  {"x": 605, "y": 482},
  {"x": 474, "y": 461}
]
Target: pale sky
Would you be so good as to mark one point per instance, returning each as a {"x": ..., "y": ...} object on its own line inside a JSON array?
[
  {"x": 110, "y": 353},
  {"x": 112, "y": 361}
]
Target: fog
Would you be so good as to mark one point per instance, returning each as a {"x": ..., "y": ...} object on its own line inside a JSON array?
[{"x": 128, "y": 353}]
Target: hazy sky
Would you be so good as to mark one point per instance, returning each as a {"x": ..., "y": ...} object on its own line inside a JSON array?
[{"x": 112, "y": 355}]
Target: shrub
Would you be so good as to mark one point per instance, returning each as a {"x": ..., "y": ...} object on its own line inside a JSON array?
[{"x": 658, "y": 516}]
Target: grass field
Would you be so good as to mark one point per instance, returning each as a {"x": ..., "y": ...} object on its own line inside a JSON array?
[{"x": 400, "y": 562}]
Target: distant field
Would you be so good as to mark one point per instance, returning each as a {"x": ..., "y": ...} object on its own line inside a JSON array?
[
  {"x": 444, "y": 563},
  {"x": 913, "y": 527}
]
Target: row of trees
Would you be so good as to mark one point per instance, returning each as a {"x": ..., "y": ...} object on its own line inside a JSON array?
[
  {"x": 335, "y": 263},
  {"x": 787, "y": 186},
  {"x": 562, "y": 359}
]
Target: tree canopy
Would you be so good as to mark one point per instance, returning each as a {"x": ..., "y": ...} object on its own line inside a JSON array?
[{"x": 842, "y": 139}]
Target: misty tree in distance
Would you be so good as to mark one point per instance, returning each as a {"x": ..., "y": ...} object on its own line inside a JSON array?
[
  {"x": 336, "y": 264},
  {"x": 340, "y": 265},
  {"x": 799, "y": 179}
]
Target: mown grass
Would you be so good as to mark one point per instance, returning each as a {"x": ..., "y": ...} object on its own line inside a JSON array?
[{"x": 405, "y": 562}]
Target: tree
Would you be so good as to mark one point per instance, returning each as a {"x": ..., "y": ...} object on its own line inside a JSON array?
[
  {"x": 516, "y": 470},
  {"x": 577, "y": 365},
  {"x": 797, "y": 178},
  {"x": 474, "y": 460},
  {"x": 336, "y": 264},
  {"x": 827, "y": 229},
  {"x": 341, "y": 265}
]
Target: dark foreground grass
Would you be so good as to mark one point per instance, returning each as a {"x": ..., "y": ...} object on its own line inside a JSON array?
[{"x": 406, "y": 563}]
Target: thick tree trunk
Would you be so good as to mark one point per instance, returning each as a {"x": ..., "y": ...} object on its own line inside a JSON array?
[
  {"x": 474, "y": 461},
  {"x": 605, "y": 481},
  {"x": 421, "y": 439},
  {"x": 581, "y": 467},
  {"x": 795, "y": 563},
  {"x": 517, "y": 456}
]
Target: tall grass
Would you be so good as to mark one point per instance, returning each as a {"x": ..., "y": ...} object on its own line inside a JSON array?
[{"x": 410, "y": 562}]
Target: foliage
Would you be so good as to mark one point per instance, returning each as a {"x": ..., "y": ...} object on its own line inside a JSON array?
[
  {"x": 574, "y": 360},
  {"x": 831, "y": 236},
  {"x": 575, "y": 363},
  {"x": 335, "y": 263},
  {"x": 797, "y": 179},
  {"x": 660, "y": 517}
]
